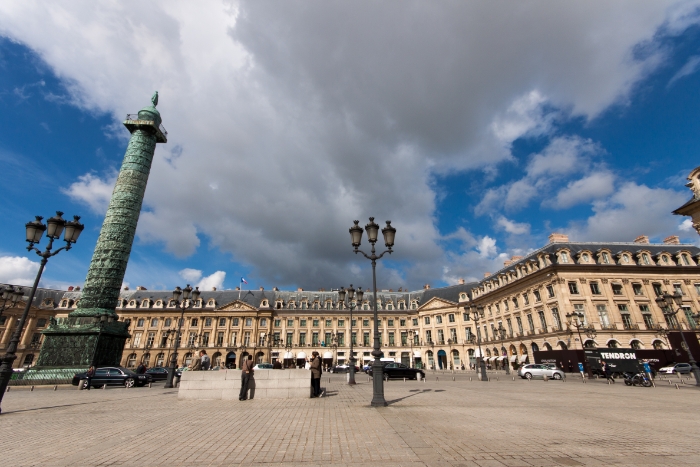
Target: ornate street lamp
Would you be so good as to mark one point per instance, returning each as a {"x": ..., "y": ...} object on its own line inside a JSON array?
[
  {"x": 575, "y": 319},
  {"x": 477, "y": 313},
  {"x": 35, "y": 230},
  {"x": 189, "y": 297},
  {"x": 412, "y": 333},
  {"x": 389, "y": 233},
  {"x": 665, "y": 301},
  {"x": 12, "y": 295},
  {"x": 350, "y": 293}
]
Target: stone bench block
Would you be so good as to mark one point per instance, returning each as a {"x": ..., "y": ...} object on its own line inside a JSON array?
[
  {"x": 199, "y": 394},
  {"x": 299, "y": 393}
]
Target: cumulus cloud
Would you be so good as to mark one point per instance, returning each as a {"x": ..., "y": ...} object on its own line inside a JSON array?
[
  {"x": 190, "y": 275},
  {"x": 214, "y": 280},
  {"x": 595, "y": 186},
  {"x": 17, "y": 270},
  {"x": 631, "y": 211},
  {"x": 287, "y": 120},
  {"x": 690, "y": 67},
  {"x": 511, "y": 227},
  {"x": 686, "y": 226},
  {"x": 92, "y": 191}
]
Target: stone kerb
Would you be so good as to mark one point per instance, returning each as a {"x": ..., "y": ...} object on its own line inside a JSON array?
[{"x": 226, "y": 384}]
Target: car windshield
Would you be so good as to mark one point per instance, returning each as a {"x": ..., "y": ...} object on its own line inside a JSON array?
[{"x": 126, "y": 371}]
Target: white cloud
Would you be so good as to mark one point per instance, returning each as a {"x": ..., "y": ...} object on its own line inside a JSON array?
[
  {"x": 309, "y": 125},
  {"x": 595, "y": 186},
  {"x": 92, "y": 191},
  {"x": 214, "y": 280},
  {"x": 487, "y": 247},
  {"x": 511, "y": 227},
  {"x": 690, "y": 67},
  {"x": 631, "y": 211},
  {"x": 17, "y": 270},
  {"x": 686, "y": 226},
  {"x": 190, "y": 275}
]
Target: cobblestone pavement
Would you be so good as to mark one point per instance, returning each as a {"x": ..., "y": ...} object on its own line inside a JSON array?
[{"x": 442, "y": 423}]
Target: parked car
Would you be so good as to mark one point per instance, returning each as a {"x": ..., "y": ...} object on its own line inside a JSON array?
[
  {"x": 366, "y": 367},
  {"x": 263, "y": 366},
  {"x": 114, "y": 376},
  {"x": 539, "y": 371},
  {"x": 399, "y": 370},
  {"x": 344, "y": 369},
  {"x": 159, "y": 373},
  {"x": 682, "y": 368}
]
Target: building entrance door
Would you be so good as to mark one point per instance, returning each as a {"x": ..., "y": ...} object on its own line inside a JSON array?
[
  {"x": 406, "y": 358},
  {"x": 442, "y": 359}
]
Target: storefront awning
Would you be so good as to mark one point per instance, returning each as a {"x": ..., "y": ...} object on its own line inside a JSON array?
[
  {"x": 522, "y": 358},
  {"x": 301, "y": 355},
  {"x": 327, "y": 354},
  {"x": 501, "y": 358},
  {"x": 513, "y": 358},
  {"x": 288, "y": 355},
  {"x": 416, "y": 353}
]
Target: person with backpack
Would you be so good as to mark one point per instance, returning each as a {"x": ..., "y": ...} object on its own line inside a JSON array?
[
  {"x": 316, "y": 368},
  {"x": 88, "y": 376},
  {"x": 206, "y": 361},
  {"x": 246, "y": 375}
]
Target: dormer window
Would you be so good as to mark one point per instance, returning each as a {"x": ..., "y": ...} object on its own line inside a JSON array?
[
  {"x": 264, "y": 303},
  {"x": 606, "y": 258},
  {"x": 645, "y": 258},
  {"x": 625, "y": 259},
  {"x": 159, "y": 303},
  {"x": 132, "y": 303},
  {"x": 145, "y": 303},
  {"x": 564, "y": 257},
  {"x": 584, "y": 257},
  {"x": 664, "y": 258},
  {"x": 686, "y": 261}
]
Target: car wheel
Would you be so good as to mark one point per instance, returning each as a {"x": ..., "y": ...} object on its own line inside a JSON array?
[
  {"x": 85, "y": 384},
  {"x": 129, "y": 383},
  {"x": 528, "y": 375},
  {"x": 556, "y": 376}
]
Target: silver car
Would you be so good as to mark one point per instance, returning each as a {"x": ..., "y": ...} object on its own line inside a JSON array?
[{"x": 539, "y": 371}]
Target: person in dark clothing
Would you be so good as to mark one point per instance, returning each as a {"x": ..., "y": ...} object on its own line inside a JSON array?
[
  {"x": 88, "y": 376},
  {"x": 246, "y": 375},
  {"x": 571, "y": 367},
  {"x": 316, "y": 372},
  {"x": 607, "y": 371},
  {"x": 141, "y": 369},
  {"x": 277, "y": 365}
]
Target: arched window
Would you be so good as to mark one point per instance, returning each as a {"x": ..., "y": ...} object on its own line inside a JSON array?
[
  {"x": 613, "y": 344},
  {"x": 131, "y": 361},
  {"x": 160, "y": 359},
  {"x": 636, "y": 345},
  {"x": 28, "y": 360},
  {"x": 590, "y": 344},
  {"x": 146, "y": 359},
  {"x": 188, "y": 359}
]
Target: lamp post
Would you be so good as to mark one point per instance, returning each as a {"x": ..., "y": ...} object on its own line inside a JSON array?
[
  {"x": 389, "y": 233},
  {"x": 183, "y": 305},
  {"x": 35, "y": 230},
  {"x": 502, "y": 332},
  {"x": 575, "y": 319},
  {"x": 477, "y": 314},
  {"x": 665, "y": 301},
  {"x": 412, "y": 335},
  {"x": 350, "y": 293},
  {"x": 12, "y": 295}
]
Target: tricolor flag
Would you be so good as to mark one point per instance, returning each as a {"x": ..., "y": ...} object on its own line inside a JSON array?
[{"x": 243, "y": 281}]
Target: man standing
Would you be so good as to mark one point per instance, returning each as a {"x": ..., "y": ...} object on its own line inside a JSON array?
[
  {"x": 206, "y": 361},
  {"x": 246, "y": 374},
  {"x": 316, "y": 372},
  {"x": 196, "y": 364},
  {"x": 88, "y": 376}
]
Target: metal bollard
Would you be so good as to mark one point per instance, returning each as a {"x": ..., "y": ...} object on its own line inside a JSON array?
[
  {"x": 437, "y": 379},
  {"x": 150, "y": 385},
  {"x": 31, "y": 388},
  {"x": 496, "y": 378},
  {"x": 513, "y": 378},
  {"x": 453, "y": 378},
  {"x": 55, "y": 387},
  {"x": 104, "y": 386},
  {"x": 404, "y": 380},
  {"x": 8, "y": 389},
  {"x": 677, "y": 386},
  {"x": 470, "y": 378}
]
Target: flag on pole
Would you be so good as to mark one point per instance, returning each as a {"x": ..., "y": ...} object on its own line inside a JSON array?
[{"x": 243, "y": 281}]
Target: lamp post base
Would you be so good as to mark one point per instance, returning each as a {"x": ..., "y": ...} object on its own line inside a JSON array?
[
  {"x": 378, "y": 385},
  {"x": 484, "y": 377},
  {"x": 696, "y": 373}
]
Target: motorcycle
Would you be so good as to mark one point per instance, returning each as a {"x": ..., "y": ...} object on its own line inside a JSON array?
[{"x": 639, "y": 379}]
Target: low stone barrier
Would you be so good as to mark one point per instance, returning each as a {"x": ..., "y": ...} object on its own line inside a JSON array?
[{"x": 226, "y": 384}]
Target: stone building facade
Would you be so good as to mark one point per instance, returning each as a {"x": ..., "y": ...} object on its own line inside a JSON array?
[{"x": 525, "y": 307}]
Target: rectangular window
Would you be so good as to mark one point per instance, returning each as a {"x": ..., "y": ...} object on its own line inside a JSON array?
[
  {"x": 194, "y": 322},
  {"x": 341, "y": 338},
  {"x": 520, "y": 324},
  {"x": 314, "y": 339},
  {"x": 327, "y": 339},
  {"x": 154, "y": 322},
  {"x": 617, "y": 289},
  {"x": 354, "y": 323},
  {"x": 557, "y": 318},
  {"x": 315, "y": 323},
  {"x": 550, "y": 291},
  {"x": 191, "y": 339},
  {"x": 277, "y": 338},
  {"x": 671, "y": 321},
  {"x": 261, "y": 339},
  {"x": 341, "y": 323},
  {"x": 354, "y": 338},
  {"x": 505, "y": 305},
  {"x": 428, "y": 335},
  {"x": 697, "y": 289},
  {"x": 151, "y": 337},
  {"x": 404, "y": 338},
  {"x": 263, "y": 321},
  {"x": 648, "y": 320},
  {"x": 543, "y": 322},
  {"x": 278, "y": 323},
  {"x": 530, "y": 323},
  {"x": 302, "y": 338},
  {"x": 302, "y": 323},
  {"x": 451, "y": 318},
  {"x": 207, "y": 322},
  {"x": 510, "y": 327},
  {"x": 246, "y": 338},
  {"x": 441, "y": 336},
  {"x": 220, "y": 339},
  {"x": 391, "y": 323},
  {"x": 536, "y": 293},
  {"x": 468, "y": 333},
  {"x": 515, "y": 303},
  {"x": 140, "y": 322},
  {"x": 365, "y": 322},
  {"x": 573, "y": 288},
  {"x": 595, "y": 290},
  {"x": 222, "y": 321},
  {"x": 678, "y": 289},
  {"x": 365, "y": 339},
  {"x": 453, "y": 336},
  {"x": 603, "y": 315},
  {"x": 249, "y": 321},
  {"x": 329, "y": 323},
  {"x": 578, "y": 308},
  {"x": 465, "y": 316},
  {"x": 689, "y": 317},
  {"x": 168, "y": 322},
  {"x": 205, "y": 339},
  {"x": 438, "y": 319},
  {"x": 234, "y": 338},
  {"x": 402, "y": 323},
  {"x": 526, "y": 299},
  {"x": 290, "y": 338},
  {"x": 626, "y": 320},
  {"x": 236, "y": 321},
  {"x": 391, "y": 338},
  {"x": 657, "y": 289},
  {"x": 426, "y": 320},
  {"x": 137, "y": 339},
  {"x": 290, "y": 323},
  {"x": 415, "y": 321}
]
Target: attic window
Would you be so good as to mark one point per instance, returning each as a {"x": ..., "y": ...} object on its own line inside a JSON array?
[
  {"x": 606, "y": 258},
  {"x": 564, "y": 257},
  {"x": 664, "y": 258},
  {"x": 159, "y": 303},
  {"x": 645, "y": 258},
  {"x": 264, "y": 303},
  {"x": 584, "y": 257},
  {"x": 625, "y": 259},
  {"x": 686, "y": 262}
]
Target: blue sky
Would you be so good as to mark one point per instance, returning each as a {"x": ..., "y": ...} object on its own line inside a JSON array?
[{"x": 478, "y": 130}]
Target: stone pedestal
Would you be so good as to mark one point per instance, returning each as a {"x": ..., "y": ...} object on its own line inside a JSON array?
[{"x": 226, "y": 384}]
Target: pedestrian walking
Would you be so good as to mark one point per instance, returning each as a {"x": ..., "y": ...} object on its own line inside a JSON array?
[
  {"x": 276, "y": 365},
  {"x": 206, "y": 361},
  {"x": 607, "y": 371},
  {"x": 88, "y": 376},
  {"x": 316, "y": 372},
  {"x": 141, "y": 369},
  {"x": 571, "y": 367},
  {"x": 246, "y": 375}
]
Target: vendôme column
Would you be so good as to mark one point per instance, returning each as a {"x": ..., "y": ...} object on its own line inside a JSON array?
[{"x": 91, "y": 334}]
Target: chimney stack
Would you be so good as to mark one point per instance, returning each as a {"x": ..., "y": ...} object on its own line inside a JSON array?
[
  {"x": 300, "y": 289},
  {"x": 672, "y": 240},
  {"x": 486, "y": 274},
  {"x": 140, "y": 287},
  {"x": 558, "y": 238},
  {"x": 426, "y": 286},
  {"x": 507, "y": 262},
  {"x": 460, "y": 281},
  {"x": 262, "y": 288},
  {"x": 213, "y": 289},
  {"x": 70, "y": 288},
  {"x": 642, "y": 239}
]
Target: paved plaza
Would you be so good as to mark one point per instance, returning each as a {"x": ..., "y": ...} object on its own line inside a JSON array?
[{"x": 445, "y": 422}]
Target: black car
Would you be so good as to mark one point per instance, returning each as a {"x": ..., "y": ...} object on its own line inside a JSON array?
[
  {"x": 399, "y": 370},
  {"x": 158, "y": 373},
  {"x": 114, "y": 376},
  {"x": 344, "y": 369}
]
